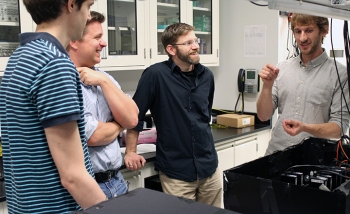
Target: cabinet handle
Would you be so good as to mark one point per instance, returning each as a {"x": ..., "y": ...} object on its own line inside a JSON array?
[
  {"x": 104, "y": 53},
  {"x": 150, "y": 53},
  {"x": 144, "y": 53}
]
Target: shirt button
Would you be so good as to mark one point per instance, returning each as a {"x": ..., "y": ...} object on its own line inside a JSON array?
[
  {"x": 302, "y": 82},
  {"x": 190, "y": 107},
  {"x": 296, "y": 113},
  {"x": 192, "y": 123},
  {"x": 106, "y": 147},
  {"x": 115, "y": 195}
]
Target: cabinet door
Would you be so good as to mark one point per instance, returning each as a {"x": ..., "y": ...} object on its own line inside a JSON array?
[
  {"x": 204, "y": 16},
  {"x": 124, "y": 31},
  {"x": 133, "y": 177},
  {"x": 162, "y": 14},
  {"x": 263, "y": 142},
  {"x": 226, "y": 158},
  {"x": 226, "y": 155},
  {"x": 9, "y": 30},
  {"x": 245, "y": 150}
]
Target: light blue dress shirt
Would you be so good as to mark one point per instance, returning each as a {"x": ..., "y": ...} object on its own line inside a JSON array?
[{"x": 106, "y": 157}]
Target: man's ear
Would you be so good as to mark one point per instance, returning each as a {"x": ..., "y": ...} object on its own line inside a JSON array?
[
  {"x": 171, "y": 50},
  {"x": 326, "y": 30},
  {"x": 70, "y": 5},
  {"x": 73, "y": 45}
]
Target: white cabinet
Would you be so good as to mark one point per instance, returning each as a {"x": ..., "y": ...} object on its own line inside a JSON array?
[
  {"x": 14, "y": 19},
  {"x": 263, "y": 141},
  {"x": 3, "y": 208},
  {"x": 226, "y": 158},
  {"x": 245, "y": 150},
  {"x": 202, "y": 14},
  {"x": 133, "y": 30},
  {"x": 226, "y": 155},
  {"x": 124, "y": 31},
  {"x": 136, "y": 179},
  {"x": 133, "y": 177}
]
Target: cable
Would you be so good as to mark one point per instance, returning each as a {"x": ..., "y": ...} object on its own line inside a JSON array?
[
  {"x": 340, "y": 84},
  {"x": 242, "y": 106},
  {"x": 261, "y": 5}
]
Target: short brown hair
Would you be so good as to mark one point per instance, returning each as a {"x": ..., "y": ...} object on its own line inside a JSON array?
[
  {"x": 173, "y": 32},
  {"x": 95, "y": 17},
  {"x": 47, "y": 10},
  {"x": 302, "y": 19}
]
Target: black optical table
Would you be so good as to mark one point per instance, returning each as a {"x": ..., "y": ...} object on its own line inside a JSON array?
[{"x": 147, "y": 201}]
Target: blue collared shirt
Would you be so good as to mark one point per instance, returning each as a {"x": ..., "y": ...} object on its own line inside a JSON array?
[
  {"x": 181, "y": 112},
  {"x": 106, "y": 157}
]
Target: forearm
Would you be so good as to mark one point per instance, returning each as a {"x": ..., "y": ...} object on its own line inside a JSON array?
[
  {"x": 124, "y": 109},
  {"x": 66, "y": 148},
  {"x": 328, "y": 130},
  {"x": 264, "y": 104},
  {"x": 131, "y": 141},
  {"x": 104, "y": 134},
  {"x": 83, "y": 189}
]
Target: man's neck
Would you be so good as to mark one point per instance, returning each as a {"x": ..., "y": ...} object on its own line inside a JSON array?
[
  {"x": 308, "y": 57},
  {"x": 185, "y": 67}
]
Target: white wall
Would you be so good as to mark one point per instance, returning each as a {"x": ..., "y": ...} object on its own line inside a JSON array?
[{"x": 234, "y": 16}]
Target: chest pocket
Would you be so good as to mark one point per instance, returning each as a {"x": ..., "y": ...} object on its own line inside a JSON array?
[{"x": 319, "y": 95}]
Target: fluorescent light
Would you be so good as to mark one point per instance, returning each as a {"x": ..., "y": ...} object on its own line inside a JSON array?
[{"x": 316, "y": 8}]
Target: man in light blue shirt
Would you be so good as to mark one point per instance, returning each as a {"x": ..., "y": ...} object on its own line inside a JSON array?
[{"x": 108, "y": 110}]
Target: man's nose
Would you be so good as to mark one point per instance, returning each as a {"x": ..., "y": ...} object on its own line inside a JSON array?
[
  {"x": 103, "y": 43},
  {"x": 303, "y": 36}
]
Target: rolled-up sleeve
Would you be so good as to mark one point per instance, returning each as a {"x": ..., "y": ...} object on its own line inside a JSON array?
[{"x": 90, "y": 125}]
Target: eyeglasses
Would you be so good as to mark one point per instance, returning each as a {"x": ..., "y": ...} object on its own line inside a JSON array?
[{"x": 189, "y": 43}]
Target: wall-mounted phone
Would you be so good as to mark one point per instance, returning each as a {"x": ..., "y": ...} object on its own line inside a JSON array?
[
  {"x": 241, "y": 80},
  {"x": 251, "y": 81}
]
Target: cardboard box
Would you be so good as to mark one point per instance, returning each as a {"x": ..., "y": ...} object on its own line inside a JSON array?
[{"x": 235, "y": 120}]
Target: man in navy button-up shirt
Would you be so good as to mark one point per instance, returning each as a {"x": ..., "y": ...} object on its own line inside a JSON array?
[{"x": 179, "y": 93}]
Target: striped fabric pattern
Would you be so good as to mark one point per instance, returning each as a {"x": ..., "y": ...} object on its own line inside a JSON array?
[{"x": 40, "y": 88}]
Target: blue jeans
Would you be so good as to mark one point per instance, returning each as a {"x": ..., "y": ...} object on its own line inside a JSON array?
[{"x": 114, "y": 187}]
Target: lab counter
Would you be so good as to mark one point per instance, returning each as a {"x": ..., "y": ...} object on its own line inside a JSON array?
[{"x": 219, "y": 135}]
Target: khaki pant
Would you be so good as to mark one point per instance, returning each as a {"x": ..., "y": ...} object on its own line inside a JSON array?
[{"x": 207, "y": 190}]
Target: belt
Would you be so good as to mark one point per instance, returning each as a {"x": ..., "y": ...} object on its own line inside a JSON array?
[{"x": 105, "y": 176}]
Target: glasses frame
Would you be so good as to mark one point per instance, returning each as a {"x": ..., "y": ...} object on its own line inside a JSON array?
[{"x": 189, "y": 43}]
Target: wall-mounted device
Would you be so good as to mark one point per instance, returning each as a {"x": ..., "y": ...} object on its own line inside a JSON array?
[
  {"x": 241, "y": 80},
  {"x": 251, "y": 83}
]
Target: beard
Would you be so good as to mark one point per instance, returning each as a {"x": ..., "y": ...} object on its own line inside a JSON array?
[
  {"x": 314, "y": 46},
  {"x": 187, "y": 57}
]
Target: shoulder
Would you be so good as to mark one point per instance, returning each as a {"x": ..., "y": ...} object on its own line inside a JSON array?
[
  {"x": 158, "y": 68},
  {"x": 204, "y": 69}
]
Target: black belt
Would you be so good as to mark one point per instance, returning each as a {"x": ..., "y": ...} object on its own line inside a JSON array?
[{"x": 105, "y": 176}]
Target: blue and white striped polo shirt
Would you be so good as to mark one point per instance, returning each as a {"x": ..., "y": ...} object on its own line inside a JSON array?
[{"x": 40, "y": 88}]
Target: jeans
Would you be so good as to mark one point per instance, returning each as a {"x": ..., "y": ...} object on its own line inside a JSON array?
[{"x": 114, "y": 187}]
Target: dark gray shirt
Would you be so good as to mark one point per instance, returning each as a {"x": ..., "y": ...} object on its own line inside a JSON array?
[
  {"x": 310, "y": 94},
  {"x": 181, "y": 110}
]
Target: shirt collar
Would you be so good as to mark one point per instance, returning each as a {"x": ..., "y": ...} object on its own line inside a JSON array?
[
  {"x": 31, "y": 36},
  {"x": 315, "y": 62},
  {"x": 199, "y": 68}
]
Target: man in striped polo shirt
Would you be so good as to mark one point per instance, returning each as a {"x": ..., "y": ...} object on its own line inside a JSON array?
[{"x": 46, "y": 160}]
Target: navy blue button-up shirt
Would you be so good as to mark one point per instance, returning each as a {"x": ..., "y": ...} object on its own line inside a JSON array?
[{"x": 181, "y": 112}]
